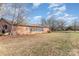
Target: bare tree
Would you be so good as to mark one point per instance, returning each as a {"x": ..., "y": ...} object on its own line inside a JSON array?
[
  {"x": 52, "y": 23},
  {"x": 2, "y": 9},
  {"x": 61, "y": 24},
  {"x": 17, "y": 11},
  {"x": 22, "y": 16},
  {"x": 43, "y": 22},
  {"x": 75, "y": 24},
  {"x": 19, "y": 16}
]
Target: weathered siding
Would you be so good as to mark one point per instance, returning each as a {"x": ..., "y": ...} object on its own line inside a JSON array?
[{"x": 2, "y": 23}]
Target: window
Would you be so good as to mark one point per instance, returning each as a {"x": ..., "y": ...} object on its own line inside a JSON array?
[
  {"x": 37, "y": 29},
  {"x": 5, "y": 26}
]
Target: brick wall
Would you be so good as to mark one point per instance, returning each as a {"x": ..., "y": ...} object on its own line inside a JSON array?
[
  {"x": 46, "y": 30},
  {"x": 23, "y": 30}
]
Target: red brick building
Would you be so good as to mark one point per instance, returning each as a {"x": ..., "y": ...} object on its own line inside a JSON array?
[{"x": 5, "y": 27}]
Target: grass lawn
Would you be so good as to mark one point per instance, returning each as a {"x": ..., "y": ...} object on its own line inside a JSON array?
[{"x": 49, "y": 44}]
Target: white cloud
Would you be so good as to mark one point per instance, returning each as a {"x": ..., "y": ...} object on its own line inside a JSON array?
[
  {"x": 62, "y": 8},
  {"x": 68, "y": 17},
  {"x": 57, "y": 13},
  {"x": 54, "y": 5},
  {"x": 37, "y": 17},
  {"x": 50, "y": 16},
  {"x": 48, "y": 12},
  {"x": 59, "y": 9},
  {"x": 36, "y": 5}
]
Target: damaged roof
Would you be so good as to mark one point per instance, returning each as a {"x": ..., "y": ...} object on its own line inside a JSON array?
[{"x": 10, "y": 22}]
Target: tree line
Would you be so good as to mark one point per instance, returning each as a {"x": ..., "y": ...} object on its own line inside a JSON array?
[{"x": 60, "y": 24}]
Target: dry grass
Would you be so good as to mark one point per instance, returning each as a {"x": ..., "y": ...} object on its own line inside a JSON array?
[{"x": 50, "y": 44}]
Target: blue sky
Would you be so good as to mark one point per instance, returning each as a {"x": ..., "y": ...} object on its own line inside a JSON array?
[
  {"x": 67, "y": 11},
  {"x": 73, "y": 8}
]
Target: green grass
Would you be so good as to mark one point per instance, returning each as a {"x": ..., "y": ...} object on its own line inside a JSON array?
[{"x": 49, "y": 44}]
